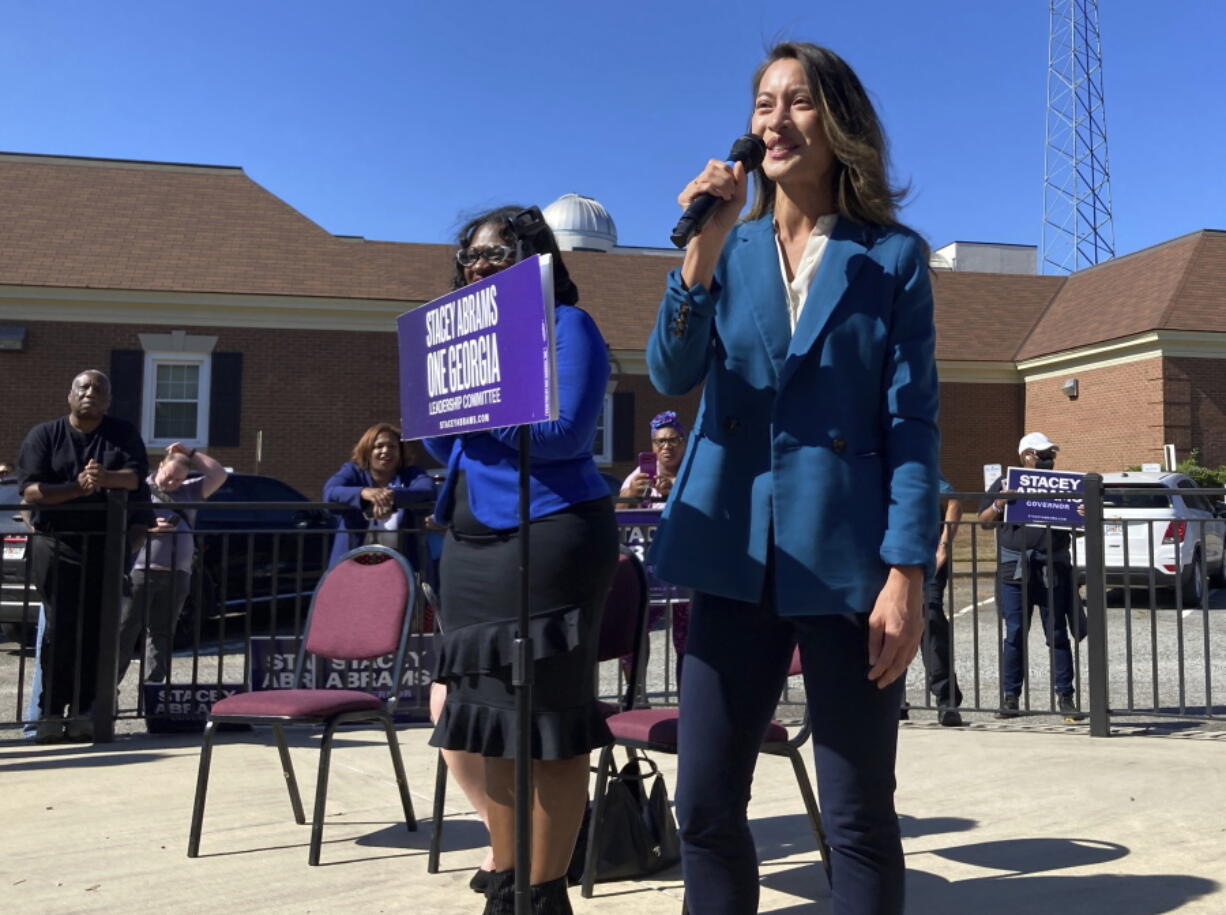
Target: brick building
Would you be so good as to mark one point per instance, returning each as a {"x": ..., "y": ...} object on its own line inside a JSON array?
[{"x": 225, "y": 317}]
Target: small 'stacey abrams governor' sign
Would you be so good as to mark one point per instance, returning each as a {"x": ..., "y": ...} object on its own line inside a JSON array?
[
  {"x": 480, "y": 357},
  {"x": 1044, "y": 511}
]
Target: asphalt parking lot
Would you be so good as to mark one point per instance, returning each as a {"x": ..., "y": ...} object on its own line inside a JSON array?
[{"x": 1156, "y": 653}]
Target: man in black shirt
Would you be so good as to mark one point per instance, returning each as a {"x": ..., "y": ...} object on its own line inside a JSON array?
[
  {"x": 68, "y": 462},
  {"x": 1033, "y": 567}
]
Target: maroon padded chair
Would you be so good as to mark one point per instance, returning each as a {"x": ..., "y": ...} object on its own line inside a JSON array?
[
  {"x": 623, "y": 631},
  {"x": 362, "y": 610},
  {"x": 655, "y": 729}
]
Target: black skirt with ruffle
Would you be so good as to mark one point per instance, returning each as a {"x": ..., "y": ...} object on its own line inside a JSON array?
[{"x": 573, "y": 557}]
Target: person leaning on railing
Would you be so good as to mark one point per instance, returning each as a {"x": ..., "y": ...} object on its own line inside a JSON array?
[
  {"x": 162, "y": 571},
  {"x": 70, "y": 461},
  {"x": 376, "y": 484}
]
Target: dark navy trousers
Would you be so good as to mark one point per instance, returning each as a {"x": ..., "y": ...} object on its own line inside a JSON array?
[
  {"x": 1015, "y": 599},
  {"x": 736, "y": 663}
]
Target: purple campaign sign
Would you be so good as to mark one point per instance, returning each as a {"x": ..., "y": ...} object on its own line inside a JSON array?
[
  {"x": 1054, "y": 512},
  {"x": 637, "y": 528},
  {"x": 480, "y": 357},
  {"x": 185, "y": 703},
  {"x": 273, "y": 659}
]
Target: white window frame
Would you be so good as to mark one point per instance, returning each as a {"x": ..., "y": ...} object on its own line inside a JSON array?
[
  {"x": 605, "y": 420},
  {"x": 153, "y": 359}
]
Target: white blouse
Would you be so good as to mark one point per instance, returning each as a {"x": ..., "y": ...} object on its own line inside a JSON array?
[{"x": 797, "y": 289}]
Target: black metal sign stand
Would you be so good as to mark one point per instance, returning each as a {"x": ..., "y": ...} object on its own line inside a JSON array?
[{"x": 522, "y": 680}]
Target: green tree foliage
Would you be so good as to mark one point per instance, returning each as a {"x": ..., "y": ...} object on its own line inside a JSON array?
[{"x": 1204, "y": 477}]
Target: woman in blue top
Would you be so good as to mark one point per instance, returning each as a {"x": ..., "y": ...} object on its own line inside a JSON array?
[
  {"x": 377, "y": 483},
  {"x": 574, "y": 554},
  {"x": 803, "y": 512}
]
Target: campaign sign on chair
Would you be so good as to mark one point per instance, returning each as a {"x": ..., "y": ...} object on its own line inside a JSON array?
[
  {"x": 272, "y": 661},
  {"x": 1044, "y": 511},
  {"x": 480, "y": 357}
]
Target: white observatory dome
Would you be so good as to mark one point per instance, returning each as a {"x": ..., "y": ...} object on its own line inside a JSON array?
[{"x": 581, "y": 224}]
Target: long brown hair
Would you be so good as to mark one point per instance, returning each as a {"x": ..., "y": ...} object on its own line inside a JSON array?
[
  {"x": 366, "y": 445},
  {"x": 862, "y": 189}
]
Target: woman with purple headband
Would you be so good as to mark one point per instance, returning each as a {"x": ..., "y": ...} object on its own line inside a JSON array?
[{"x": 668, "y": 442}]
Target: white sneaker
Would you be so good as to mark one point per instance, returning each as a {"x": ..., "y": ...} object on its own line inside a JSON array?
[
  {"x": 48, "y": 730},
  {"x": 80, "y": 730}
]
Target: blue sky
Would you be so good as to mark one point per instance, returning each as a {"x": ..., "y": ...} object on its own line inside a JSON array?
[{"x": 390, "y": 119}]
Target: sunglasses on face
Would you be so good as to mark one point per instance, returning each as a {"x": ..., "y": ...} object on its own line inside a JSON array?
[
  {"x": 491, "y": 254},
  {"x": 668, "y": 441},
  {"x": 1045, "y": 455}
]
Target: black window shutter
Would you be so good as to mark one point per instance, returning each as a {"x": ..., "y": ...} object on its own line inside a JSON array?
[
  {"x": 225, "y": 399},
  {"x": 623, "y": 426},
  {"x": 127, "y": 381}
]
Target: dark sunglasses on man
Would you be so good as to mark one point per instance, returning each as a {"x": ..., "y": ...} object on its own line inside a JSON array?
[{"x": 491, "y": 254}]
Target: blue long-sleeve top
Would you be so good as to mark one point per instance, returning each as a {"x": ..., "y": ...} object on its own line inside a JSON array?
[
  {"x": 562, "y": 470},
  {"x": 410, "y": 486}
]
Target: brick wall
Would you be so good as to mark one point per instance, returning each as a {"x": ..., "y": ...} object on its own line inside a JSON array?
[
  {"x": 980, "y": 424},
  {"x": 314, "y": 392},
  {"x": 311, "y": 392},
  {"x": 1116, "y": 421},
  {"x": 1195, "y": 402}
]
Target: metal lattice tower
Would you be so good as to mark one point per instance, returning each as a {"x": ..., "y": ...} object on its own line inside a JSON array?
[{"x": 1077, "y": 225}]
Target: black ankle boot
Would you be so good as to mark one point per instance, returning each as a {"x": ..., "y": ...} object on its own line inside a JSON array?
[
  {"x": 500, "y": 893},
  {"x": 551, "y": 898}
]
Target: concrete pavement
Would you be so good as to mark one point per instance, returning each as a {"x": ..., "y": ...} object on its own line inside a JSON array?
[{"x": 995, "y": 820}]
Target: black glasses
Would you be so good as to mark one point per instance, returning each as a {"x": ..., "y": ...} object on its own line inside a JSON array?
[
  {"x": 668, "y": 441},
  {"x": 1048, "y": 455},
  {"x": 491, "y": 254}
]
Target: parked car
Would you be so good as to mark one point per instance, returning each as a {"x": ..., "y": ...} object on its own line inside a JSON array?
[
  {"x": 19, "y": 603},
  {"x": 256, "y": 558},
  {"x": 1153, "y": 525}
]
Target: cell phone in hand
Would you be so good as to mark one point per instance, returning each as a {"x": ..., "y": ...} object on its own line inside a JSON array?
[{"x": 647, "y": 463}]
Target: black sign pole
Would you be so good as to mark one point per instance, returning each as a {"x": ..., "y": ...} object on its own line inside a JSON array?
[{"x": 521, "y": 679}]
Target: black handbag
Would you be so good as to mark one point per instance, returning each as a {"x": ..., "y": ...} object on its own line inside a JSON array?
[{"x": 637, "y": 836}]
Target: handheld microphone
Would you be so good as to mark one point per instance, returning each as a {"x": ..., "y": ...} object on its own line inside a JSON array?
[{"x": 749, "y": 150}]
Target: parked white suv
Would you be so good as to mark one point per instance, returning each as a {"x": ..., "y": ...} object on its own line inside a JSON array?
[{"x": 1151, "y": 524}]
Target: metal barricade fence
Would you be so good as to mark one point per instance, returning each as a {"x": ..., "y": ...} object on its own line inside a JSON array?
[{"x": 1144, "y": 646}]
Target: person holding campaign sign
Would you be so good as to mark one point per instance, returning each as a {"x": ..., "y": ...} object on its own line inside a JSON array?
[
  {"x": 1033, "y": 566},
  {"x": 574, "y": 546},
  {"x": 804, "y": 511}
]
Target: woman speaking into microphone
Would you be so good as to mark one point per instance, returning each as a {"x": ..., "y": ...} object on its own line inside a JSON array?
[
  {"x": 803, "y": 513},
  {"x": 574, "y": 545}
]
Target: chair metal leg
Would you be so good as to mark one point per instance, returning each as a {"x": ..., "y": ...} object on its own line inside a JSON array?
[
  {"x": 202, "y": 786},
  {"x": 287, "y": 771},
  {"x": 815, "y": 817},
  {"x": 402, "y": 781},
  {"x": 593, "y": 824},
  {"x": 436, "y": 819},
  {"x": 321, "y": 794}
]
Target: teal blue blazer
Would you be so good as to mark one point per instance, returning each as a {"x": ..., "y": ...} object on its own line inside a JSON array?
[{"x": 814, "y": 452}]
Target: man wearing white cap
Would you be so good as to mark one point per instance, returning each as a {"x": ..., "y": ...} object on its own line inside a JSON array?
[{"x": 1034, "y": 567}]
